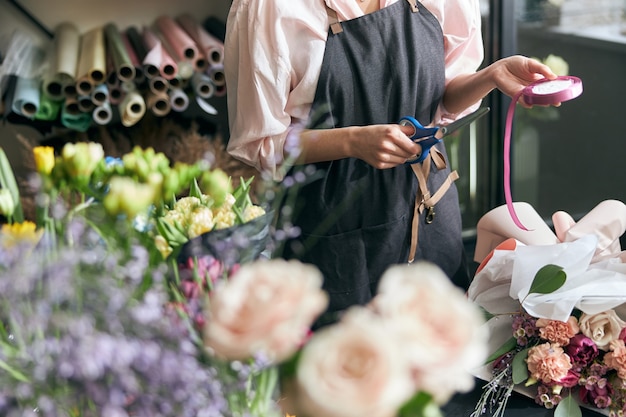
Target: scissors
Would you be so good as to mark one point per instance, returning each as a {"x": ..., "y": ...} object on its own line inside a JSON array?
[{"x": 427, "y": 137}]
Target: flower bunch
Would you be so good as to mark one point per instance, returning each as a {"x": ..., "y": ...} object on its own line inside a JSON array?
[{"x": 580, "y": 360}]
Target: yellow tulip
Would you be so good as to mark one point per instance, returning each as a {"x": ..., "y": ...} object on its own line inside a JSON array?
[{"x": 44, "y": 159}]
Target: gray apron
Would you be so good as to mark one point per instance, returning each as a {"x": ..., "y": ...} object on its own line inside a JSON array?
[{"x": 356, "y": 220}]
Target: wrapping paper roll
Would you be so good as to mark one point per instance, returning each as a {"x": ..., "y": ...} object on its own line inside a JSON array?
[
  {"x": 185, "y": 67},
  {"x": 182, "y": 44},
  {"x": 216, "y": 73},
  {"x": 116, "y": 94},
  {"x": 158, "y": 85},
  {"x": 48, "y": 108},
  {"x": 75, "y": 121},
  {"x": 157, "y": 61},
  {"x": 70, "y": 107},
  {"x": 136, "y": 41},
  {"x": 62, "y": 61},
  {"x": 158, "y": 103},
  {"x": 139, "y": 75},
  {"x": 100, "y": 94},
  {"x": 124, "y": 68},
  {"x": 209, "y": 45},
  {"x": 91, "y": 62},
  {"x": 178, "y": 99},
  {"x": 85, "y": 104},
  {"x": 132, "y": 108},
  {"x": 26, "y": 97},
  {"x": 103, "y": 114},
  {"x": 202, "y": 85}
]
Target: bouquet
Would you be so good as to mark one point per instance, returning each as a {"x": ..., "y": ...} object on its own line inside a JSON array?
[{"x": 557, "y": 302}]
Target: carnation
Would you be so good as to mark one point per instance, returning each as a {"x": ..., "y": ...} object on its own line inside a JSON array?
[{"x": 548, "y": 363}]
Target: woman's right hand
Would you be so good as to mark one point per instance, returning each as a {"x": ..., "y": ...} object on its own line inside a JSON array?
[{"x": 384, "y": 146}]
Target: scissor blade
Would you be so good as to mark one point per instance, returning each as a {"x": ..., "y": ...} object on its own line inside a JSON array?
[{"x": 463, "y": 121}]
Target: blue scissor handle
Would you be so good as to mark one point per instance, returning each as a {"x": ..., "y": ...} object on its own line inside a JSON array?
[{"x": 424, "y": 136}]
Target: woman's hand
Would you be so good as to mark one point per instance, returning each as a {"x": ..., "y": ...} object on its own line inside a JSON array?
[
  {"x": 385, "y": 146},
  {"x": 510, "y": 75}
]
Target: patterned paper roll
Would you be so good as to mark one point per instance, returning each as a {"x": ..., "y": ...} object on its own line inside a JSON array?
[
  {"x": 48, "y": 109},
  {"x": 178, "y": 100},
  {"x": 159, "y": 103},
  {"x": 202, "y": 85},
  {"x": 103, "y": 114},
  {"x": 91, "y": 61},
  {"x": 132, "y": 108},
  {"x": 184, "y": 46},
  {"x": 63, "y": 61},
  {"x": 123, "y": 66},
  {"x": 157, "y": 57},
  {"x": 209, "y": 45},
  {"x": 26, "y": 97},
  {"x": 100, "y": 94}
]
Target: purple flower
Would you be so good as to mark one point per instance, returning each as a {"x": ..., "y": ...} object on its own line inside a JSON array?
[
  {"x": 598, "y": 395},
  {"x": 581, "y": 350}
]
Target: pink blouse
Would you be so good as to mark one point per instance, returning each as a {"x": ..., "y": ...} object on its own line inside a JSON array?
[{"x": 272, "y": 74}]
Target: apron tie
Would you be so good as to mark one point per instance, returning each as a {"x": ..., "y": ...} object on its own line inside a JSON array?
[{"x": 423, "y": 199}]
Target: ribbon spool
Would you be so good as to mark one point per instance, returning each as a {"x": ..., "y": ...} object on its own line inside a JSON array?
[{"x": 544, "y": 92}]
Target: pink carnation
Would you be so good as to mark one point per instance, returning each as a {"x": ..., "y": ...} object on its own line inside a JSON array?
[
  {"x": 616, "y": 359},
  {"x": 557, "y": 331},
  {"x": 548, "y": 363}
]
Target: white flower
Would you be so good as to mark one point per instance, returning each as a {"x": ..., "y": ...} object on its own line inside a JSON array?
[
  {"x": 557, "y": 64},
  {"x": 602, "y": 328},
  {"x": 267, "y": 307},
  {"x": 353, "y": 369},
  {"x": 440, "y": 328}
]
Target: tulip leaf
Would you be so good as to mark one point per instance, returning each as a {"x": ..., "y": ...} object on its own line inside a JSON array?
[
  {"x": 506, "y": 347},
  {"x": 194, "y": 189},
  {"x": 520, "y": 369},
  {"x": 548, "y": 279},
  {"x": 568, "y": 407},
  {"x": 421, "y": 405},
  {"x": 8, "y": 181}
]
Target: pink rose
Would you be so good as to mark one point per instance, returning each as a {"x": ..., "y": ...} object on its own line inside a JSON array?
[
  {"x": 267, "y": 307},
  {"x": 616, "y": 358},
  {"x": 582, "y": 351},
  {"x": 602, "y": 328},
  {"x": 354, "y": 368},
  {"x": 548, "y": 363},
  {"x": 440, "y": 328}
]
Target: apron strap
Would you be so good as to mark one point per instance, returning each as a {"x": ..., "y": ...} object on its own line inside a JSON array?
[
  {"x": 413, "y": 4},
  {"x": 335, "y": 24},
  {"x": 423, "y": 198}
]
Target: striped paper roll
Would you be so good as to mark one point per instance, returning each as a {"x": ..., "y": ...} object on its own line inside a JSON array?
[
  {"x": 209, "y": 45},
  {"x": 103, "y": 114},
  {"x": 124, "y": 68},
  {"x": 132, "y": 108},
  {"x": 157, "y": 61},
  {"x": 63, "y": 61},
  {"x": 178, "y": 100},
  {"x": 26, "y": 97},
  {"x": 91, "y": 62}
]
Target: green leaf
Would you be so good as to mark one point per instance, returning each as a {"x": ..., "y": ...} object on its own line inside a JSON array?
[
  {"x": 487, "y": 315},
  {"x": 13, "y": 372},
  {"x": 507, "y": 346},
  {"x": 520, "y": 369},
  {"x": 421, "y": 405},
  {"x": 548, "y": 279},
  {"x": 194, "y": 190},
  {"x": 568, "y": 407}
]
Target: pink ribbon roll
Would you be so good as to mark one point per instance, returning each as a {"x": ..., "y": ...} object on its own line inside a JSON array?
[{"x": 543, "y": 92}]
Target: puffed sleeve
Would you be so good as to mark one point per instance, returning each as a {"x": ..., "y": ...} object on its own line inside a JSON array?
[
  {"x": 258, "y": 83},
  {"x": 464, "y": 50}
]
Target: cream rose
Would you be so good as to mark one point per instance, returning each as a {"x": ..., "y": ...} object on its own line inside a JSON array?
[
  {"x": 353, "y": 369},
  {"x": 267, "y": 307},
  {"x": 602, "y": 328},
  {"x": 441, "y": 329}
]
